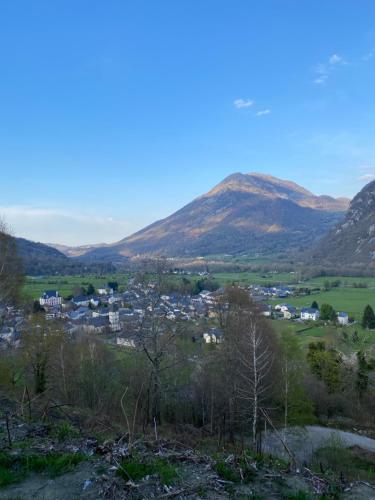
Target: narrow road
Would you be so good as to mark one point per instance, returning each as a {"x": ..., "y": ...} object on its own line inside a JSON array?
[{"x": 303, "y": 441}]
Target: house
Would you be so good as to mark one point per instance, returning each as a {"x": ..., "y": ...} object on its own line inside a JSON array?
[
  {"x": 102, "y": 291},
  {"x": 96, "y": 325},
  {"x": 265, "y": 310},
  {"x": 50, "y": 298},
  {"x": 283, "y": 307},
  {"x": 95, "y": 301},
  {"x": 308, "y": 313},
  {"x": 114, "y": 318},
  {"x": 126, "y": 342},
  {"x": 343, "y": 318},
  {"x": 102, "y": 311},
  {"x": 213, "y": 336},
  {"x": 290, "y": 312},
  {"x": 79, "y": 313},
  {"x": 81, "y": 300}
]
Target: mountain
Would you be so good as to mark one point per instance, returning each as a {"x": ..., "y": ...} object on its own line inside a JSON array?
[
  {"x": 352, "y": 242},
  {"x": 245, "y": 213},
  {"x": 39, "y": 259},
  {"x": 69, "y": 251}
]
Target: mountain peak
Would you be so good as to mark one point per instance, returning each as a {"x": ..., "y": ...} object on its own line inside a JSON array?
[
  {"x": 270, "y": 187},
  {"x": 252, "y": 213}
]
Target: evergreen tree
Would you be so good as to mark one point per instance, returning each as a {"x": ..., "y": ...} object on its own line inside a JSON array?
[
  {"x": 326, "y": 365},
  {"x": 315, "y": 305},
  {"x": 327, "y": 312},
  {"x": 368, "y": 318},
  {"x": 362, "y": 374}
]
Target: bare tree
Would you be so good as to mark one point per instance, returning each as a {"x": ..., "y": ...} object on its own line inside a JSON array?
[
  {"x": 158, "y": 338},
  {"x": 256, "y": 357},
  {"x": 251, "y": 346}
]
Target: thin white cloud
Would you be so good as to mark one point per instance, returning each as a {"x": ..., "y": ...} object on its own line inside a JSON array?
[
  {"x": 263, "y": 112},
  {"x": 64, "y": 227},
  {"x": 321, "y": 80},
  {"x": 323, "y": 70},
  {"x": 335, "y": 59},
  {"x": 243, "y": 103}
]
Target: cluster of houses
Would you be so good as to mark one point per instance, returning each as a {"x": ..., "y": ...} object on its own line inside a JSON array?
[
  {"x": 288, "y": 311},
  {"x": 267, "y": 292},
  {"x": 124, "y": 313}
]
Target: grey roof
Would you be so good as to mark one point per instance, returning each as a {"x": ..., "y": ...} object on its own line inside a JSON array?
[
  {"x": 98, "y": 322},
  {"x": 50, "y": 293},
  {"x": 80, "y": 298},
  {"x": 309, "y": 310}
]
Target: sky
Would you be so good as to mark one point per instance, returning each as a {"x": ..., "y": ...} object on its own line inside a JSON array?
[{"x": 115, "y": 114}]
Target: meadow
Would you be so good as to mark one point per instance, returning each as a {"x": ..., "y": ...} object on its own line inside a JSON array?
[
  {"x": 350, "y": 300},
  {"x": 35, "y": 286},
  {"x": 257, "y": 278}
]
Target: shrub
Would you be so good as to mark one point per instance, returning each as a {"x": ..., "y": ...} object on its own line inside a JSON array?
[
  {"x": 65, "y": 431},
  {"x": 136, "y": 470},
  {"x": 14, "y": 468}
]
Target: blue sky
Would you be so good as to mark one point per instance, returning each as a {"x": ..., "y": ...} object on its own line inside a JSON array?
[{"x": 117, "y": 113}]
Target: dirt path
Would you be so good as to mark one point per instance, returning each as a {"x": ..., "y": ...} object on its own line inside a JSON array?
[{"x": 303, "y": 441}]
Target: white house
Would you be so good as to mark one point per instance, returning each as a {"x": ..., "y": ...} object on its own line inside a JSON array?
[
  {"x": 308, "y": 313},
  {"x": 213, "y": 336},
  {"x": 125, "y": 342},
  {"x": 94, "y": 301},
  {"x": 283, "y": 307},
  {"x": 50, "y": 298},
  {"x": 290, "y": 312},
  {"x": 114, "y": 318},
  {"x": 343, "y": 318}
]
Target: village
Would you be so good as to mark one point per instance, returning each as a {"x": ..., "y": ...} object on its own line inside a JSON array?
[{"x": 107, "y": 310}]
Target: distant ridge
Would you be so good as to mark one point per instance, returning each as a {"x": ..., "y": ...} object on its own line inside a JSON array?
[
  {"x": 245, "y": 213},
  {"x": 352, "y": 242}
]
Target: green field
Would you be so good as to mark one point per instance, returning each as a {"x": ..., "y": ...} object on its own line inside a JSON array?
[
  {"x": 65, "y": 285},
  {"x": 344, "y": 280},
  {"x": 350, "y": 300},
  {"x": 337, "y": 336},
  {"x": 258, "y": 278}
]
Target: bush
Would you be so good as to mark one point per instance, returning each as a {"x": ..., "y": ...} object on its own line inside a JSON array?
[
  {"x": 65, "y": 431},
  {"x": 14, "y": 468},
  {"x": 136, "y": 470},
  {"x": 227, "y": 472}
]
